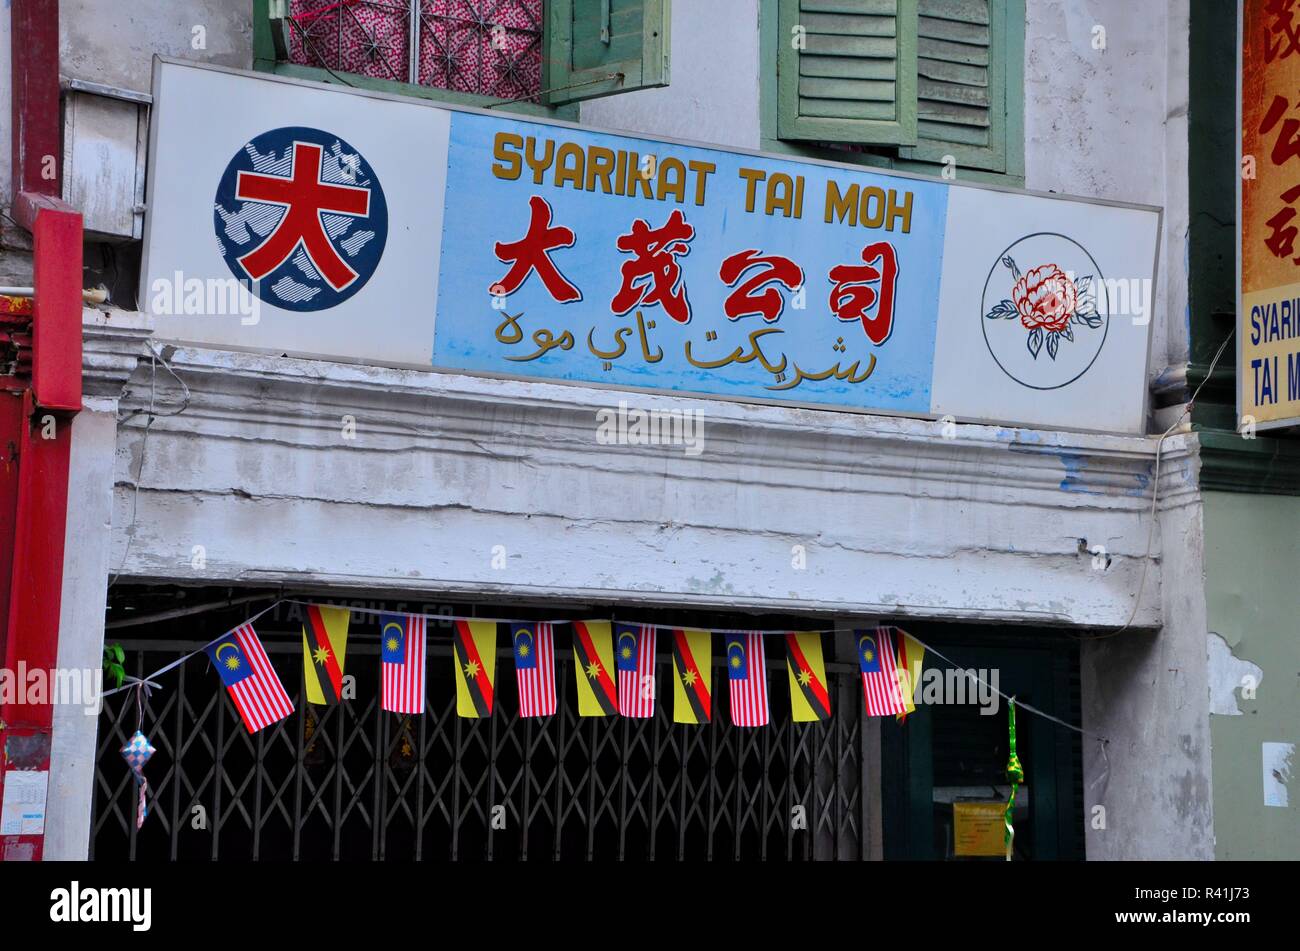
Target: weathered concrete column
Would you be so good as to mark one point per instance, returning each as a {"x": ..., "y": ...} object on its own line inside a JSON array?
[
  {"x": 1147, "y": 692},
  {"x": 111, "y": 353}
]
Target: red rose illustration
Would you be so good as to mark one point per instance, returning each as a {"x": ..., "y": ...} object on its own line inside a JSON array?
[{"x": 1045, "y": 297}]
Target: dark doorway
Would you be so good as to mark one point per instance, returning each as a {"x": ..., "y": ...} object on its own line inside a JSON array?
[{"x": 949, "y": 756}]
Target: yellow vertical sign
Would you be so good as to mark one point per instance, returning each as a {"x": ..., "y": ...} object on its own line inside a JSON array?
[{"x": 1268, "y": 312}]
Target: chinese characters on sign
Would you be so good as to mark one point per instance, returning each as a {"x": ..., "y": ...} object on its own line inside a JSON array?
[
  {"x": 480, "y": 243},
  {"x": 726, "y": 274},
  {"x": 1268, "y": 372}
]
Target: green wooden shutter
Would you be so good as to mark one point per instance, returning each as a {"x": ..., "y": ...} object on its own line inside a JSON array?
[
  {"x": 970, "y": 66},
  {"x": 277, "y": 17},
  {"x": 854, "y": 79},
  {"x": 601, "y": 47}
]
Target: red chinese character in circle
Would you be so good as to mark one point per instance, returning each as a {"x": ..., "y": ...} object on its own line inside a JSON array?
[
  {"x": 860, "y": 287},
  {"x": 305, "y": 197},
  {"x": 745, "y": 300},
  {"x": 532, "y": 252},
  {"x": 656, "y": 251}
]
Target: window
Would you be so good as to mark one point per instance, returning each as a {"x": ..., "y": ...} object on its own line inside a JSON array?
[
  {"x": 489, "y": 48},
  {"x": 912, "y": 83},
  {"x": 479, "y": 52}
]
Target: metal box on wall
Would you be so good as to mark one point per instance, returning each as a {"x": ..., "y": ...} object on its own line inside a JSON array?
[{"x": 105, "y": 142}]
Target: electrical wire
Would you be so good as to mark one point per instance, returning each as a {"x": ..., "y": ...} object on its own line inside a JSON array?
[{"x": 154, "y": 359}]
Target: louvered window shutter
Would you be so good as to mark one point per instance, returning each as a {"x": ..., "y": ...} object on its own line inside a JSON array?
[
  {"x": 602, "y": 47},
  {"x": 847, "y": 71},
  {"x": 963, "y": 49}
]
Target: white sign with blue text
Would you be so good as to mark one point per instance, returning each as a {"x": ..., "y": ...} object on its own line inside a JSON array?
[{"x": 298, "y": 218}]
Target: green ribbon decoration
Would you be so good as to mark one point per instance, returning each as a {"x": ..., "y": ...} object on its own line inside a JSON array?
[{"x": 1015, "y": 774}]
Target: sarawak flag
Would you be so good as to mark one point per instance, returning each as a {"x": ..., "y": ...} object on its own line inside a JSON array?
[
  {"x": 809, "y": 700},
  {"x": 249, "y": 678},
  {"x": 747, "y": 674},
  {"x": 910, "y": 659},
  {"x": 692, "y": 677},
  {"x": 635, "y": 647},
  {"x": 880, "y": 686},
  {"x": 593, "y": 662},
  {"x": 534, "y": 650},
  {"x": 401, "y": 655},
  {"x": 475, "y": 655},
  {"x": 324, "y": 641}
]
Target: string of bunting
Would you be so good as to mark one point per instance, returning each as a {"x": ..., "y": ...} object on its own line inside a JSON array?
[
  {"x": 614, "y": 667},
  {"x": 614, "y": 663}
]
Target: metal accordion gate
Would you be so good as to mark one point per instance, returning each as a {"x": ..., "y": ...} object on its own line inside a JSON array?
[{"x": 353, "y": 782}]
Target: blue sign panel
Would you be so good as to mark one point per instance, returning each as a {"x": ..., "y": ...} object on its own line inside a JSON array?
[{"x": 592, "y": 257}]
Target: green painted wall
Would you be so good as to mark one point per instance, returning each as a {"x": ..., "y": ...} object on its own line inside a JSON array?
[{"x": 1252, "y": 548}]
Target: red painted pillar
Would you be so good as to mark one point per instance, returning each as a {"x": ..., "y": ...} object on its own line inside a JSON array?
[
  {"x": 36, "y": 150},
  {"x": 36, "y": 411},
  {"x": 37, "y": 431}
]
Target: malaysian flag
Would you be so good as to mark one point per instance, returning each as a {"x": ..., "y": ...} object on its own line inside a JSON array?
[
  {"x": 401, "y": 651},
  {"x": 747, "y": 671},
  {"x": 879, "y": 673},
  {"x": 249, "y": 678},
  {"x": 634, "y": 655},
  {"x": 534, "y": 648}
]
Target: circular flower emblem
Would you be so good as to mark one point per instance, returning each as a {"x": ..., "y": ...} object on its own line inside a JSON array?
[
  {"x": 1050, "y": 302},
  {"x": 1045, "y": 297},
  {"x": 1045, "y": 325}
]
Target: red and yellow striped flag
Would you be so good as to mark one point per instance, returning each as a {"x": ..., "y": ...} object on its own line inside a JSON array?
[
  {"x": 692, "y": 676},
  {"x": 324, "y": 643},
  {"x": 809, "y": 699},
  {"x": 593, "y": 663},
  {"x": 475, "y": 654},
  {"x": 909, "y": 661}
]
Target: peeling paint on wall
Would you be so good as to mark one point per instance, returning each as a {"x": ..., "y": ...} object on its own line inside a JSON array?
[
  {"x": 1074, "y": 466},
  {"x": 1250, "y": 595},
  {"x": 1226, "y": 675}
]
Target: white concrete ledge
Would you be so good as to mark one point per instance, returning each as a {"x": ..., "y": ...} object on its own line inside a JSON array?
[{"x": 892, "y": 517}]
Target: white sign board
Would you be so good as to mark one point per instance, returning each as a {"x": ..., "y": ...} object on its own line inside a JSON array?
[{"x": 300, "y": 218}]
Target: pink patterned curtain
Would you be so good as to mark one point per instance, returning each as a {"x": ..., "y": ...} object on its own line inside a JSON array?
[{"x": 488, "y": 47}]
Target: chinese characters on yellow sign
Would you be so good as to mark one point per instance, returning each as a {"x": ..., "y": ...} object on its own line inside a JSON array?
[{"x": 1268, "y": 370}]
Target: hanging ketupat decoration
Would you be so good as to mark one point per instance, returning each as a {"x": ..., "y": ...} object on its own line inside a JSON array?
[{"x": 1015, "y": 774}]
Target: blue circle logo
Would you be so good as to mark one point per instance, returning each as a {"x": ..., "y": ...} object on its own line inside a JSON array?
[{"x": 301, "y": 215}]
